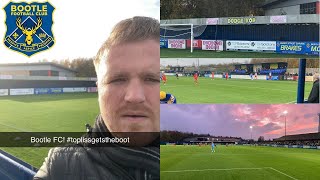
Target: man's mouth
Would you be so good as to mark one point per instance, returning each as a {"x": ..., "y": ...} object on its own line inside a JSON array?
[{"x": 135, "y": 117}]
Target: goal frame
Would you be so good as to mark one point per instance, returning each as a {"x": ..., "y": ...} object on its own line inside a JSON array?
[{"x": 191, "y": 28}]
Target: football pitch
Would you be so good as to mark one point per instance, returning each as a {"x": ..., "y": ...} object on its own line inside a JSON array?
[
  {"x": 232, "y": 91},
  {"x": 185, "y": 53},
  {"x": 239, "y": 163},
  {"x": 45, "y": 113}
]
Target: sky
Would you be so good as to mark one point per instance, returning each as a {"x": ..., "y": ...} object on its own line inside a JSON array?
[
  {"x": 235, "y": 119},
  {"x": 80, "y": 26},
  {"x": 202, "y": 61}
]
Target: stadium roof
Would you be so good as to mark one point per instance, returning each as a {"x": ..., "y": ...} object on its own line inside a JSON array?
[
  {"x": 300, "y": 137},
  {"x": 37, "y": 64},
  {"x": 268, "y": 3}
]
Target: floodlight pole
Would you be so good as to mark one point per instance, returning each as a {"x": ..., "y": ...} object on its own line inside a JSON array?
[{"x": 285, "y": 124}]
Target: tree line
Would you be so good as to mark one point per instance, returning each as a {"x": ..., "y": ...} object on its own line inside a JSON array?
[
  {"x": 185, "y": 9},
  {"x": 83, "y": 66}
]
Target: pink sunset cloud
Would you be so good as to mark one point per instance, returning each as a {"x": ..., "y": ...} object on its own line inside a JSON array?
[{"x": 235, "y": 119}]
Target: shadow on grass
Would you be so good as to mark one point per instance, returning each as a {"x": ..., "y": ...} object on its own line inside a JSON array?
[{"x": 49, "y": 97}]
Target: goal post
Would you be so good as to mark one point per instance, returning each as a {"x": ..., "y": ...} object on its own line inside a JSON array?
[{"x": 178, "y": 31}]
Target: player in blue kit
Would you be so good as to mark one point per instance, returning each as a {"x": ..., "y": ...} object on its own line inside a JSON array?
[
  {"x": 166, "y": 98},
  {"x": 212, "y": 147}
]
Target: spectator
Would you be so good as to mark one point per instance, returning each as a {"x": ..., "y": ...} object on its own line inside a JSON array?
[{"x": 314, "y": 94}]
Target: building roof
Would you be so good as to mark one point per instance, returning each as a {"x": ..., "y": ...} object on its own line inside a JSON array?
[
  {"x": 300, "y": 137},
  {"x": 38, "y": 64},
  {"x": 269, "y": 3}
]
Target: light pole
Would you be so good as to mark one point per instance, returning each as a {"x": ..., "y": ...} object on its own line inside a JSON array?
[
  {"x": 251, "y": 131},
  {"x": 285, "y": 123}
]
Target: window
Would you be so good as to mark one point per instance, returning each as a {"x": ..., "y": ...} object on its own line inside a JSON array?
[{"x": 308, "y": 8}]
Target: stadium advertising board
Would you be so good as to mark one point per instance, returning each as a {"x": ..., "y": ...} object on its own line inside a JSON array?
[
  {"x": 41, "y": 91},
  {"x": 242, "y": 20},
  {"x": 196, "y": 43},
  {"x": 312, "y": 147},
  {"x": 274, "y": 78},
  {"x": 48, "y": 90},
  {"x": 176, "y": 43},
  {"x": 309, "y": 78},
  {"x": 212, "y": 45},
  {"x": 163, "y": 43},
  {"x": 23, "y": 91},
  {"x": 92, "y": 89},
  {"x": 278, "y": 19},
  {"x": 4, "y": 92},
  {"x": 3, "y": 76},
  {"x": 251, "y": 45},
  {"x": 212, "y": 21},
  {"x": 56, "y": 90},
  {"x": 261, "y": 77},
  {"x": 75, "y": 89},
  {"x": 311, "y": 48}
]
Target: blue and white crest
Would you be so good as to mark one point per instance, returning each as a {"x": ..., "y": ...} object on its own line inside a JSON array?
[{"x": 29, "y": 27}]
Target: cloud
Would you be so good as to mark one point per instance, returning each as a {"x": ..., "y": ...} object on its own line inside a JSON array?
[{"x": 235, "y": 119}]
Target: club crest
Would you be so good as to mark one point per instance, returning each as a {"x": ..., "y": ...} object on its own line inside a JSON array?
[{"x": 29, "y": 27}]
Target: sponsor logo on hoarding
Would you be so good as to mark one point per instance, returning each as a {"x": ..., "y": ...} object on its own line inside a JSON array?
[
  {"x": 290, "y": 48},
  {"x": 278, "y": 19},
  {"x": 212, "y": 45},
  {"x": 245, "y": 20},
  {"x": 4, "y": 92},
  {"x": 25, "y": 91},
  {"x": 310, "y": 48},
  {"x": 212, "y": 21},
  {"x": 177, "y": 43},
  {"x": 252, "y": 45}
]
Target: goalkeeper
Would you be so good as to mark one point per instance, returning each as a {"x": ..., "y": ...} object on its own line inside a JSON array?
[{"x": 167, "y": 98}]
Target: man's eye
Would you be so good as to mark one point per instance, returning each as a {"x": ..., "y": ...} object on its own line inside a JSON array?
[
  {"x": 152, "y": 79},
  {"x": 117, "y": 80}
]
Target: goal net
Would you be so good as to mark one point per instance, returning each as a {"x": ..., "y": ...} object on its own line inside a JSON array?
[{"x": 179, "y": 34}]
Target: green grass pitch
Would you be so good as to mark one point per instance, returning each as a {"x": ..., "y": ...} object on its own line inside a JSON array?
[
  {"x": 185, "y": 53},
  {"x": 45, "y": 113},
  {"x": 232, "y": 90},
  {"x": 238, "y": 163}
]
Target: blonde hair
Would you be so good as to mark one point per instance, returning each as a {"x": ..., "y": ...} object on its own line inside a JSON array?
[{"x": 137, "y": 28}]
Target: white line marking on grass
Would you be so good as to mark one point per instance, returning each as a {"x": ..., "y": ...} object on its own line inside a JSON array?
[
  {"x": 228, "y": 169},
  {"x": 282, "y": 173},
  {"x": 12, "y": 127},
  {"x": 291, "y": 102},
  {"x": 199, "y": 170}
]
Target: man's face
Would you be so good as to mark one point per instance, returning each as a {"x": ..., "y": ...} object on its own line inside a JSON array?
[{"x": 129, "y": 86}]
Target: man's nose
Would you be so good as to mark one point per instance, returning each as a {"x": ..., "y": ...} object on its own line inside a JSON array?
[{"x": 135, "y": 92}]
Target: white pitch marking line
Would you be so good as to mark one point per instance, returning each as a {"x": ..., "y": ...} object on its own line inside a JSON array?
[
  {"x": 198, "y": 170},
  {"x": 282, "y": 173},
  {"x": 291, "y": 102},
  {"x": 228, "y": 169}
]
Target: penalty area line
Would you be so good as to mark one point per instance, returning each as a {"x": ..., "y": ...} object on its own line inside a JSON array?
[{"x": 282, "y": 173}]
